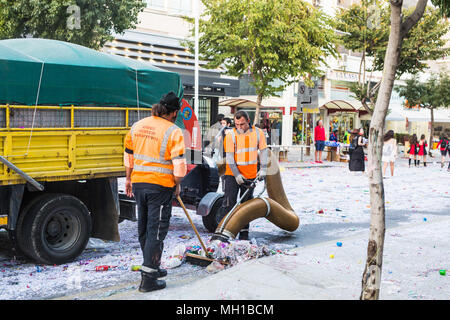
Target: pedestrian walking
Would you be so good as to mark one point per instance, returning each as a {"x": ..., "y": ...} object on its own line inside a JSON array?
[
  {"x": 389, "y": 152},
  {"x": 319, "y": 139},
  {"x": 356, "y": 151},
  {"x": 412, "y": 152},
  {"x": 155, "y": 164},
  {"x": 422, "y": 151},
  {"x": 241, "y": 153},
  {"x": 443, "y": 146}
]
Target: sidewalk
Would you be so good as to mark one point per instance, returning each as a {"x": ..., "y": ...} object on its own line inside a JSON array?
[{"x": 413, "y": 256}]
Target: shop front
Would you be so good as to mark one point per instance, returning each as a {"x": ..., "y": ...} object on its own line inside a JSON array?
[
  {"x": 340, "y": 118},
  {"x": 270, "y": 121}
]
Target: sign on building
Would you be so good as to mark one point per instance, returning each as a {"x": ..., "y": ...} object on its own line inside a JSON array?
[{"x": 307, "y": 98}]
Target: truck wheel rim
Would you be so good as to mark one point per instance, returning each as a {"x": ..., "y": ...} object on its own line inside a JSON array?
[{"x": 61, "y": 231}]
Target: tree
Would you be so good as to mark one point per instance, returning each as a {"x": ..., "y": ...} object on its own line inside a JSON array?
[
  {"x": 86, "y": 22},
  {"x": 269, "y": 39},
  {"x": 366, "y": 28},
  {"x": 400, "y": 27},
  {"x": 433, "y": 94}
]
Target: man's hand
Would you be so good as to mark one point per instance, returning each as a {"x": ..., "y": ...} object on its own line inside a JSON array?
[
  {"x": 261, "y": 175},
  {"x": 177, "y": 191},
  {"x": 128, "y": 188},
  {"x": 240, "y": 179}
]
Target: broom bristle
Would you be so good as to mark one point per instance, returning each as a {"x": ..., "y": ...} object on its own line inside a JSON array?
[{"x": 198, "y": 260}]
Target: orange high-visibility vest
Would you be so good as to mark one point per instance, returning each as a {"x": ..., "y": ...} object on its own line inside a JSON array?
[
  {"x": 245, "y": 147},
  {"x": 154, "y": 142}
]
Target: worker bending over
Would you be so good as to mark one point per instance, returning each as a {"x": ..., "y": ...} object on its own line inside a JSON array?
[
  {"x": 241, "y": 151},
  {"x": 155, "y": 165}
]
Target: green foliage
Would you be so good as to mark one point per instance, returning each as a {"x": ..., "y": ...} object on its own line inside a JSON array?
[
  {"x": 424, "y": 41},
  {"x": 48, "y": 19},
  {"x": 268, "y": 39},
  {"x": 434, "y": 93},
  {"x": 443, "y": 5}
]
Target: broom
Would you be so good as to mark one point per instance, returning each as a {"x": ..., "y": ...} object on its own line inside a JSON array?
[{"x": 191, "y": 257}]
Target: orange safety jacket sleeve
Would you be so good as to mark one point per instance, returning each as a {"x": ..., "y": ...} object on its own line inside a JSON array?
[
  {"x": 128, "y": 158},
  {"x": 177, "y": 153}
]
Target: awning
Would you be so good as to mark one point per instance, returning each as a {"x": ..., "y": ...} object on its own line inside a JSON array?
[
  {"x": 339, "y": 106},
  {"x": 241, "y": 103}
]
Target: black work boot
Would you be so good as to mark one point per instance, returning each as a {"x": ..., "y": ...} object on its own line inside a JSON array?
[
  {"x": 162, "y": 273},
  {"x": 149, "y": 282}
]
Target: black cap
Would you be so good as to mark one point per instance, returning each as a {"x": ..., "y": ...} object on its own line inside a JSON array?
[{"x": 171, "y": 101}]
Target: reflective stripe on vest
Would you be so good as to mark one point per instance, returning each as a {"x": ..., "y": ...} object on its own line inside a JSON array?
[
  {"x": 161, "y": 160},
  {"x": 233, "y": 136},
  {"x": 246, "y": 150},
  {"x": 152, "y": 169},
  {"x": 246, "y": 163}
]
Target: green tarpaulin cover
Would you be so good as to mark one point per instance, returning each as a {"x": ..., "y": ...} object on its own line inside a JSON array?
[{"x": 50, "y": 72}]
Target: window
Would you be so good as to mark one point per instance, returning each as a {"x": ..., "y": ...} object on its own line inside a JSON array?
[
  {"x": 182, "y": 7},
  {"x": 156, "y": 4}
]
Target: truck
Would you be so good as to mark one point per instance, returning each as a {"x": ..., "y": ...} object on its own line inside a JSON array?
[{"x": 64, "y": 113}]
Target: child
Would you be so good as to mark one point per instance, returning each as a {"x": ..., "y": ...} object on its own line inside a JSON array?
[
  {"x": 412, "y": 149},
  {"x": 443, "y": 144},
  {"x": 422, "y": 151}
]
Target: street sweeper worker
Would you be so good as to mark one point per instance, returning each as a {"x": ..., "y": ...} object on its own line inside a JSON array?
[
  {"x": 155, "y": 164},
  {"x": 241, "y": 151}
]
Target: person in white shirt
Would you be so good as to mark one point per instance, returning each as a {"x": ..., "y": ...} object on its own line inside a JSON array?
[{"x": 389, "y": 152}]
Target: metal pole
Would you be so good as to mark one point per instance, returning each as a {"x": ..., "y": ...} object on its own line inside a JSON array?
[
  {"x": 196, "y": 84},
  {"x": 33, "y": 182}
]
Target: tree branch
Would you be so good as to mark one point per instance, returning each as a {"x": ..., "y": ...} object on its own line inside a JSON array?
[{"x": 414, "y": 17}]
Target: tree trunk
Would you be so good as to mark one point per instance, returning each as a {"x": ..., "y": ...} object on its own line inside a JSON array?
[
  {"x": 258, "y": 108},
  {"x": 431, "y": 130},
  {"x": 372, "y": 272},
  {"x": 371, "y": 279}
]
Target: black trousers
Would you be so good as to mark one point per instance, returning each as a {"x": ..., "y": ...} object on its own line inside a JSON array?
[
  {"x": 154, "y": 204},
  {"x": 231, "y": 190}
]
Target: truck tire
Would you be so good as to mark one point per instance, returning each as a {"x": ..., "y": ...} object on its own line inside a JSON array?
[
  {"x": 55, "y": 229},
  {"x": 212, "y": 220},
  {"x": 20, "y": 233}
]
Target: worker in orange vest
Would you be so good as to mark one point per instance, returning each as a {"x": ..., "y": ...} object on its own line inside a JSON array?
[
  {"x": 241, "y": 151},
  {"x": 155, "y": 165}
]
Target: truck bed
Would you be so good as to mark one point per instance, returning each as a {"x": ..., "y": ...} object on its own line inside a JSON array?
[{"x": 52, "y": 143}]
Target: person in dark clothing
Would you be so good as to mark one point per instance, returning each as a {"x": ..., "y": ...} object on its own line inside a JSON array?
[
  {"x": 241, "y": 148},
  {"x": 443, "y": 146},
  {"x": 154, "y": 182},
  {"x": 413, "y": 149},
  {"x": 356, "y": 162}
]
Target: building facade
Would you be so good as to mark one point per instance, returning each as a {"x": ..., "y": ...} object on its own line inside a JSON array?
[{"x": 160, "y": 39}]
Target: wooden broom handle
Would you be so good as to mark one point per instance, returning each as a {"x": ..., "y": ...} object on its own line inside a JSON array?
[{"x": 193, "y": 226}]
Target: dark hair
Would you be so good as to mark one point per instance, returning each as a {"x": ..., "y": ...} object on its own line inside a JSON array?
[
  {"x": 317, "y": 122},
  {"x": 220, "y": 117},
  {"x": 168, "y": 104},
  {"x": 413, "y": 139},
  {"x": 240, "y": 114},
  {"x": 389, "y": 135},
  {"x": 422, "y": 137},
  {"x": 228, "y": 120}
]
